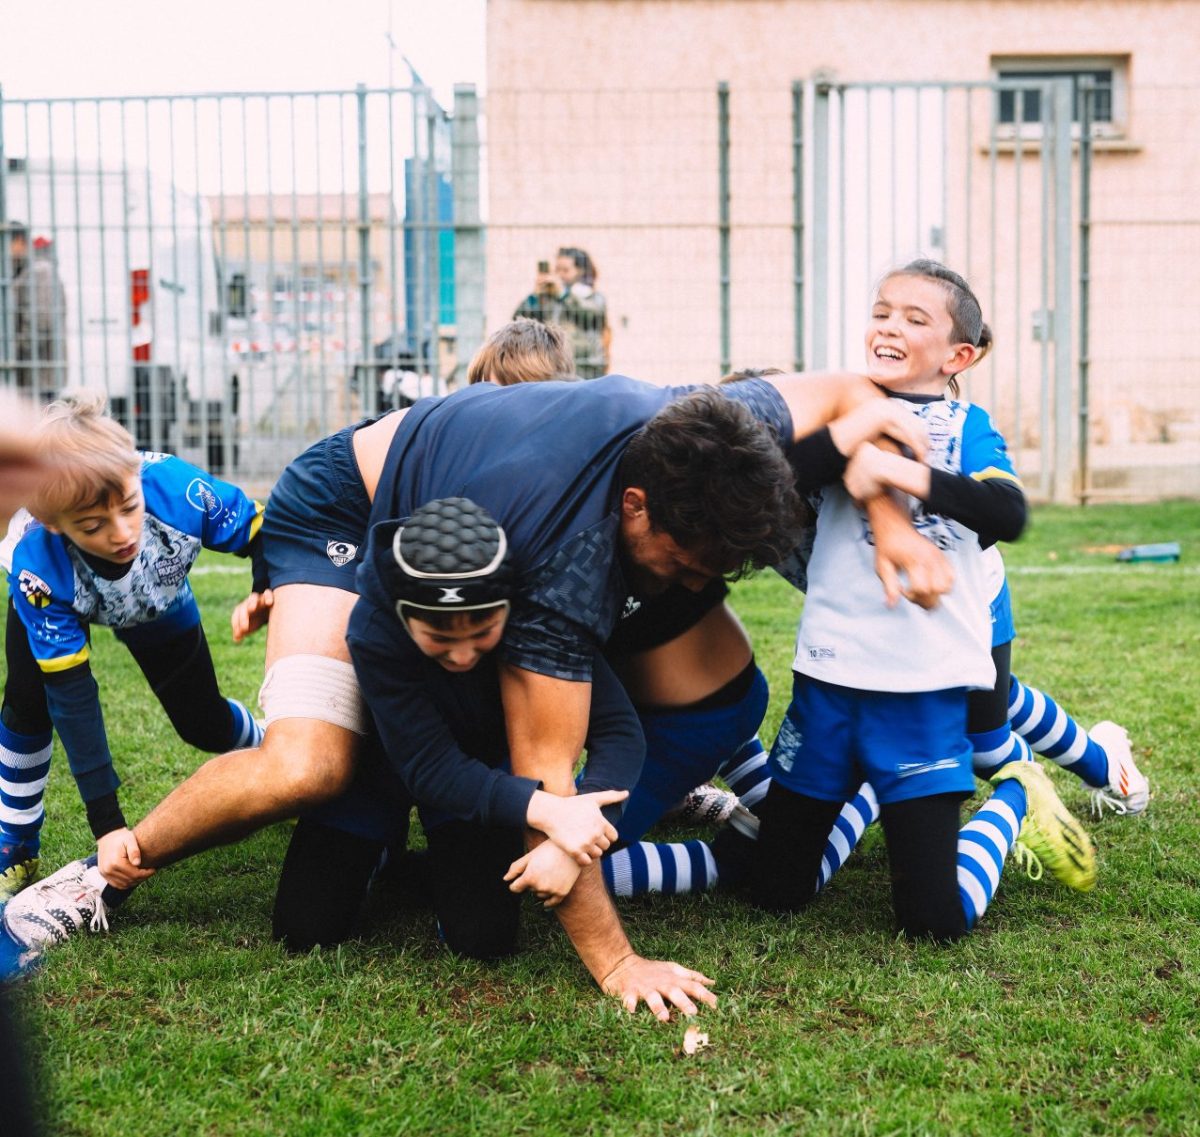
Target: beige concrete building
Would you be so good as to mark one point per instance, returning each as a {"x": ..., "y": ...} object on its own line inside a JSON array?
[{"x": 603, "y": 131}]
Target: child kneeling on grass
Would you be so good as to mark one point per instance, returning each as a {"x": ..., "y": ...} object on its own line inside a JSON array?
[
  {"x": 110, "y": 539},
  {"x": 880, "y": 694},
  {"x": 444, "y": 577}
]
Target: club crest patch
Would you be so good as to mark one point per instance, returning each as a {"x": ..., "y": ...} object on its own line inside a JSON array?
[
  {"x": 33, "y": 588},
  {"x": 341, "y": 552},
  {"x": 202, "y": 496}
]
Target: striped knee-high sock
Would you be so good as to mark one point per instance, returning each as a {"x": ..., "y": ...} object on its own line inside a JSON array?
[
  {"x": 992, "y": 749},
  {"x": 983, "y": 843},
  {"x": 746, "y": 773},
  {"x": 673, "y": 868},
  {"x": 1052, "y": 732},
  {"x": 246, "y": 730},
  {"x": 24, "y": 769},
  {"x": 690, "y": 866},
  {"x": 847, "y": 831}
]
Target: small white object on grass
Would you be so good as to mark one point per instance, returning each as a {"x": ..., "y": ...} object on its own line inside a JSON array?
[{"x": 694, "y": 1039}]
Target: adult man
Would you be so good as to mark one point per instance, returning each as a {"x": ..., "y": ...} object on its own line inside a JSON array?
[
  {"x": 545, "y": 460},
  {"x": 40, "y": 316}
]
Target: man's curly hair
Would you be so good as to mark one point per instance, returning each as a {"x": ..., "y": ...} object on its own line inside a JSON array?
[{"x": 717, "y": 482}]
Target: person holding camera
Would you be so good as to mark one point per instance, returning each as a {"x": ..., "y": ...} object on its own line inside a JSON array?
[{"x": 568, "y": 297}]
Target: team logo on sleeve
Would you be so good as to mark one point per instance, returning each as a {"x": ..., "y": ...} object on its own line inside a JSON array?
[
  {"x": 202, "y": 496},
  {"x": 33, "y": 588},
  {"x": 341, "y": 552}
]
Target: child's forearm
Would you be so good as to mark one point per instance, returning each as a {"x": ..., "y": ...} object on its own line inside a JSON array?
[
  {"x": 73, "y": 700},
  {"x": 994, "y": 508},
  {"x": 902, "y": 473}
]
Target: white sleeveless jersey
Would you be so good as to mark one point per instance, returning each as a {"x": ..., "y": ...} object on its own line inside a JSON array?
[{"x": 849, "y": 636}]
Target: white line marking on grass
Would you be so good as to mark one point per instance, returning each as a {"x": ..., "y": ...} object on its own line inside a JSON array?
[
  {"x": 1106, "y": 570},
  {"x": 220, "y": 570}
]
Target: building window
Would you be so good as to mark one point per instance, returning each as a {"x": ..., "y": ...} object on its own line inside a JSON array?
[{"x": 1021, "y": 108}]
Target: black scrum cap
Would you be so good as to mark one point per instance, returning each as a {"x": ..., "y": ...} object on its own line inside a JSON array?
[{"x": 450, "y": 556}]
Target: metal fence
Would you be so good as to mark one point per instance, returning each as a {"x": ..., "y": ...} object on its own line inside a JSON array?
[
  {"x": 747, "y": 227},
  {"x": 244, "y": 272},
  {"x": 240, "y": 272}
]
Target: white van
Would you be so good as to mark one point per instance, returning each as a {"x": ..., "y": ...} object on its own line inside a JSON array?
[{"x": 145, "y": 312}]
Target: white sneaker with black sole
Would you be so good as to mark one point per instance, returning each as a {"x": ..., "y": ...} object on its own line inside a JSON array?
[{"x": 52, "y": 910}]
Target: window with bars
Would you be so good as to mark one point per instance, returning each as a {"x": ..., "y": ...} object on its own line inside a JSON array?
[{"x": 1021, "y": 108}]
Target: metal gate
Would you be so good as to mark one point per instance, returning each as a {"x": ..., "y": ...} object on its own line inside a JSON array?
[
  {"x": 240, "y": 272},
  {"x": 978, "y": 176}
]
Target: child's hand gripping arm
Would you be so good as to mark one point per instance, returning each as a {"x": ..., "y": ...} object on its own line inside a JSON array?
[
  {"x": 575, "y": 824},
  {"x": 547, "y": 872}
]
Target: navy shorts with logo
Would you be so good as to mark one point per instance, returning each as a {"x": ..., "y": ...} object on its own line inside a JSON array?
[
  {"x": 315, "y": 526},
  {"x": 907, "y": 745}
]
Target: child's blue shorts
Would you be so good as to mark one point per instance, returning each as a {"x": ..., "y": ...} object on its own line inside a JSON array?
[
  {"x": 1003, "y": 629},
  {"x": 908, "y": 745}
]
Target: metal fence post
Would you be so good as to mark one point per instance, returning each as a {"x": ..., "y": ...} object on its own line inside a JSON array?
[
  {"x": 820, "y": 225},
  {"x": 468, "y": 229},
  {"x": 7, "y": 330},
  {"x": 723, "y": 223},
  {"x": 797, "y": 226},
  {"x": 1087, "y": 95},
  {"x": 433, "y": 244},
  {"x": 1061, "y": 485},
  {"x": 371, "y": 393}
]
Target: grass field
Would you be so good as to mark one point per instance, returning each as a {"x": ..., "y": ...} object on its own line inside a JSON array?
[{"x": 1063, "y": 1014}]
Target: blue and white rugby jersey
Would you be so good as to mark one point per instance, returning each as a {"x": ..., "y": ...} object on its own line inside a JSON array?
[
  {"x": 57, "y": 593},
  {"x": 848, "y": 635}
]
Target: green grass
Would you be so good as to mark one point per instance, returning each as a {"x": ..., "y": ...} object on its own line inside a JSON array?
[{"x": 1063, "y": 1014}]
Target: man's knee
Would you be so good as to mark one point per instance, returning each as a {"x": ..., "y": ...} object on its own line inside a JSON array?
[
  {"x": 309, "y": 764},
  {"x": 315, "y": 716}
]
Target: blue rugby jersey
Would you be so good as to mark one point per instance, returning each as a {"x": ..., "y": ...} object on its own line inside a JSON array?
[
  {"x": 543, "y": 458},
  {"x": 57, "y": 595},
  {"x": 444, "y": 734}
]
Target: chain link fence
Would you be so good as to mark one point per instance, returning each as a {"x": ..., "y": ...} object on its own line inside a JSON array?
[
  {"x": 240, "y": 272},
  {"x": 244, "y": 272}
]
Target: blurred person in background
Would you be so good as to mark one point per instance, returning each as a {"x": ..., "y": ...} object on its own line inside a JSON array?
[
  {"x": 40, "y": 316},
  {"x": 20, "y": 469},
  {"x": 567, "y": 296}
]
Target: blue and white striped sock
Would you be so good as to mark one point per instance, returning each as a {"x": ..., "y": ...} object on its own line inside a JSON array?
[
  {"x": 847, "y": 831},
  {"x": 994, "y": 749},
  {"x": 24, "y": 769},
  {"x": 983, "y": 843},
  {"x": 1052, "y": 732},
  {"x": 673, "y": 868},
  {"x": 690, "y": 866},
  {"x": 246, "y": 730},
  {"x": 746, "y": 773}
]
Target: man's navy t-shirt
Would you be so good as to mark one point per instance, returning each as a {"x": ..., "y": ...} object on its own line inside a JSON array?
[{"x": 543, "y": 459}]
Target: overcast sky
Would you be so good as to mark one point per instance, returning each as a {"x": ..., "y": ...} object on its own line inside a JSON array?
[{"x": 137, "y": 47}]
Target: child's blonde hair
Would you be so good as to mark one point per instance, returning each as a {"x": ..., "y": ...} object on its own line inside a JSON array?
[
  {"x": 523, "y": 351},
  {"x": 91, "y": 456}
]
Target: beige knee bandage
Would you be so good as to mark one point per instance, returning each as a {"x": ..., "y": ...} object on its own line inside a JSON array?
[{"x": 313, "y": 687}]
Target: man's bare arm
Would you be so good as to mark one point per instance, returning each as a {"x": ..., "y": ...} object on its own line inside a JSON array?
[
  {"x": 822, "y": 398},
  {"x": 547, "y": 724}
]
